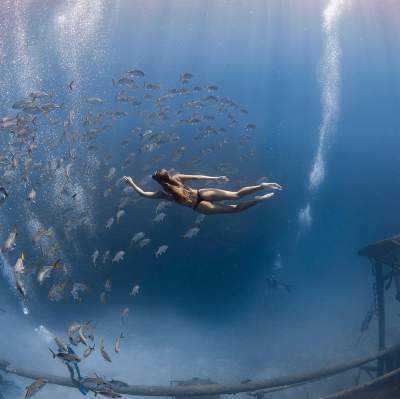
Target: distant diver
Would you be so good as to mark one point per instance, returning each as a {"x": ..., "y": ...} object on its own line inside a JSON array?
[
  {"x": 202, "y": 200},
  {"x": 273, "y": 283}
]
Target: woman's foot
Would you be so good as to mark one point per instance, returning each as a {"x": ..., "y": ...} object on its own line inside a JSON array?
[
  {"x": 264, "y": 197},
  {"x": 272, "y": 186}
]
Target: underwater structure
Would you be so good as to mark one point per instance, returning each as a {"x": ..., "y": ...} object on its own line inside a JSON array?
[{"x": 381, "y": 367}]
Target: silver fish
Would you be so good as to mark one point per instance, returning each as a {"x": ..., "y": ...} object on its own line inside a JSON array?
[
  {"x": 117, "y": 346},
  {"x": 35, "y": 387},
  {"x": 66, "y": 357},
  {"x": 137, "y": 73},
  {"x": 77, "y": 288},
  {"x": 119, "y": 256},
  {"x": 107, "y": 285},
  {"x": 43, "y": 273},
  {"x": 162, "y": 205},
  {"x": 19, "y": 265},
  {"x": 38, "y": 94},
  {"x": 56, "y": 292},
  {"x": 109, "y": 223},
  {"x": 3, "y": 195},
  {"x": 111, "y": 174},
  {"x": 199, "y": 219},
  {"x": 124, "y": 313},
  {"x": 94, "y": 100},
  {"x": 161, "y": 250},
  {"x": 135, "y": 290},
  {"x": 115, "y": 384},
  {"x": 95, "y": 256},
  {"x": 105, "y": 256},
  {"x": 137, "y": 237},
  {"x": 32, "y": 196},
  {"x": 144, "y": 242},
  {"x": 19, "y": 271},
  {"x": 88, "y": 351},
  {"x": 160, "y": 217},
  {"x": 21, "y": 104},
  {"x": 120, "y": 213},
  {"x": 191, "y": 232},
  {"x": 104, "y": 353},
  {"x": 9, "y": 243}
]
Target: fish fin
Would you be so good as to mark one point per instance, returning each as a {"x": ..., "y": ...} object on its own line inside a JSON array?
[
  {"x": 54, "y": 355},
  {"x": 84, "y": 391}
]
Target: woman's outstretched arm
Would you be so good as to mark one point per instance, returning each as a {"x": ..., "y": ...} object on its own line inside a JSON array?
[
  {"x": 182, "y": 177},
  {"x": 146, "y": 194}
]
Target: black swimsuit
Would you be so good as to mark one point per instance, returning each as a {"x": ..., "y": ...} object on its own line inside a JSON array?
[{"x": 199, "y": 199}]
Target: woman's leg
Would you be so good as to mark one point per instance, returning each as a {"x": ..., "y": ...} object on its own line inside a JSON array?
[
  {"x": 215, "y": 194},
  {"x": 208, "y": 208}
]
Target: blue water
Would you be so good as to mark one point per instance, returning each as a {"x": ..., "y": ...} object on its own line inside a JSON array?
[{"x": 320, "y": 81}]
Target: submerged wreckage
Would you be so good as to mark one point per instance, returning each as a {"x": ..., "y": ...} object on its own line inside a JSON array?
[{"x": 382, "y": 367}]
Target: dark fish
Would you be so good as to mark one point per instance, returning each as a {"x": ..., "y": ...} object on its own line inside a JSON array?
[
  {"x": 137, "y": 73},
  {"x": 3, "y": 195}
]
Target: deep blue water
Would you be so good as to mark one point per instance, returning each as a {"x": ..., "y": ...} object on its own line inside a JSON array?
[{"x": 204, "y": 308}]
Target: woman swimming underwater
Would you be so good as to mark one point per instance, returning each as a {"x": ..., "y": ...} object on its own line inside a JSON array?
[{"x": 202, "y": 200}]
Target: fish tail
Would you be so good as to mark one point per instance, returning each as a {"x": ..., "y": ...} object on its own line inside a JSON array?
[{"x": 54, "y": 355}]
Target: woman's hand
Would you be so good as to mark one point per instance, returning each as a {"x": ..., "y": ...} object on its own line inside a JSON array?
[
  {"x": 128, "y": 180},
  {"x": 223, "y": 178},
  {"x": 274, "y": 186}
]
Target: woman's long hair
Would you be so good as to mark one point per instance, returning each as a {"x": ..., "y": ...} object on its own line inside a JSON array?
[{"x": 179, "y": 191}]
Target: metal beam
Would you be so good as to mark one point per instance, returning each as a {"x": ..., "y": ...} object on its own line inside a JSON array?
[
  {"x": 372, "y": 389},
  {"x": 212, "y": 389},
  {"x": 380, "y": 297}
]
